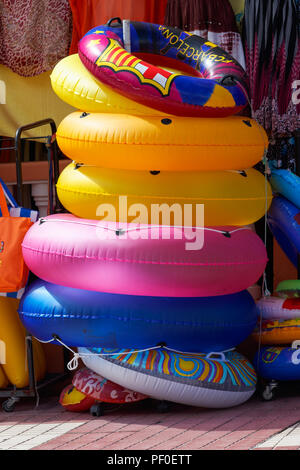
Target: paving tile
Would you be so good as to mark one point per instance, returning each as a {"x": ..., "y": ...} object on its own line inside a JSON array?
[
  {"x": 255, "y": 425},
  {"x": 54, "y": 443},
  {"x": 30, "y": 436},
  {"x": 107, "y": 442},
  {"x": 77, "y": 443}
]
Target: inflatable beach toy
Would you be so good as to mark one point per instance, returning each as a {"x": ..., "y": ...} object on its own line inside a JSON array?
[
  {"x": 278, "y": 363},
  {"x": 286, "y": 183},
  {"x": 215, "y": 380},
  {"x": 3, "y": 379},
  {"x": 75, "y": 85},
  {"x": 90, "y": 391},
  {"x": 124, "y": 141},
  {"x": 144, "y": 260},
  {"x": 74, "y": 400},
  {"x": 276, "y": 308},
  {"x": 288, "y": 288},
  {"x": 277, "y": 331},
  {"x": 87, "y": 318},
  {"x": 229, "y": 198},
  {"x": 13, "y": 347},
  {"x": 284, "y": 223},
  {"x": 101, "y": 389},
  {"x": 120, "y": 54},
  {"x": 156, "y": 306}
]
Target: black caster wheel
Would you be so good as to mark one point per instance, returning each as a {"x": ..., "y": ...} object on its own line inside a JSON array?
[
  {"x": 9, "y": 405},
  {"x": 163, "y": 406},
  {"x": 97, "y": 409},
  {"x": 269, "y": 392}
]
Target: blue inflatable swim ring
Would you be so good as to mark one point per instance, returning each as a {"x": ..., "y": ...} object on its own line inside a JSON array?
[
  {"x": 284, "y": 223},
  {"x": 278, "y": 363},
  {"x": 83, "y": 318},
  {"x": 286, "y": 183}
]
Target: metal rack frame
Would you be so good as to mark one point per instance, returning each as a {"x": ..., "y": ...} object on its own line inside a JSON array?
[{"x": 13, "y": 393}]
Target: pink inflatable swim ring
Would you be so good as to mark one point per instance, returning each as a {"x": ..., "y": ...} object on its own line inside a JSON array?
[{"x": 143, "y": 259}]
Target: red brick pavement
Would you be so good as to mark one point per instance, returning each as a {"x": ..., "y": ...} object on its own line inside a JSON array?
[{"x": 139, "y": 427}]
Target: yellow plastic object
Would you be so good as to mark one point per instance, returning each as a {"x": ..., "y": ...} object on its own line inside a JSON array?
[
  {"x": 74, "y": 85},
  {"x": 229, "y": 197},
  {"x": 12, "y": 337},
  {"x": 277, "y": 331},
  {"x": 3, "y": 379},
  {"x": 157, "y": 143}
]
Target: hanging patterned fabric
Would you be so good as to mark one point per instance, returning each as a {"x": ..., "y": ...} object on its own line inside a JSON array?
[
  {"x": 34, "y": 34},
  {"x": 271, "y": 38},
  {"x": 282, "y": 154},
  {"x": 213, "y": 20}
]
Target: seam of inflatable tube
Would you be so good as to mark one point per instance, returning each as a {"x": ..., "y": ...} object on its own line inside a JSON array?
[
  {"x": 146, "y": 196},
  {"x": 90, "y": 223},
  {"x": 157, "y": 144},
  {"x": 126, "y": 260},
  {"x": 115, "y": 106},
  {"x": 63, "y": 316}
]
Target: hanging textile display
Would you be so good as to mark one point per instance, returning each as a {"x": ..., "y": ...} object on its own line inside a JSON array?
[
  {"x": 271, "y": 38},
  {"x": 34, "y": 35},
  {"x": 89, "y": 13},
  {"x": 213, "y": 20}
]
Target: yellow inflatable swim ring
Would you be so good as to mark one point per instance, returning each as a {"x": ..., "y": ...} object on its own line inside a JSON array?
[
  {"x": 229, "y": 197},
  {"x": 12, "y": 338},
  {"x": 75, "y": 85},
  {"x": 3, "y": 379},
  {"x": 157, "y": 143}
]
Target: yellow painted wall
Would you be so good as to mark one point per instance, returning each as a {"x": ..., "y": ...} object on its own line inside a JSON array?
[{"x": 28, "y": 99}]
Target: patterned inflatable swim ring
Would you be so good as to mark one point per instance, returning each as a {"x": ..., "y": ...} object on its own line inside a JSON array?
[
  {"x": 117, "y": 55},
  {"x": 278, "y": 363},
  {"x": 277, "y": 331},
  {"x": 97, "y": 387},
  {"x": 276, "y": 308},
  {"x": 215, "y": 380},
  {"x": 74, "y": 400}
]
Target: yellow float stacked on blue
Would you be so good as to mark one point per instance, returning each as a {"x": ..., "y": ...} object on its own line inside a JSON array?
[{"x": 160, "y": 123}]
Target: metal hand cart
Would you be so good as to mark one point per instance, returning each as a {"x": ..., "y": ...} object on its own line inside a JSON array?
[{"x": 12, "y": 393}]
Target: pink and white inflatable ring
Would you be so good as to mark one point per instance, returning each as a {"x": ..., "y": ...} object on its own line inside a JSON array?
[{"x": 143, "y": 259}]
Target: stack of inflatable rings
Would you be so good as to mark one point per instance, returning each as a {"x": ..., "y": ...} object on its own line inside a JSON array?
[
  {"x": 157, "y": 306},
  {"x": 279, "y": 328},
  {"x": 278, "y": 333}
]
